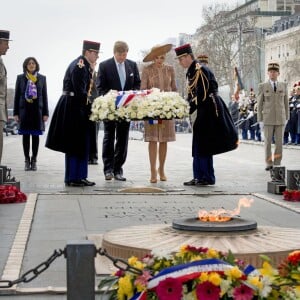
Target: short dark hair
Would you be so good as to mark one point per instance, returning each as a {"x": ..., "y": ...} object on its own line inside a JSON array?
[{"x": 27, "y": 60}]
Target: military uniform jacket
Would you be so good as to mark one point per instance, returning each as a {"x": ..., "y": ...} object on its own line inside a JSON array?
[
  {"x": 68, "y": 128},
  {"x": 272, "y": 107},
  {"x": 213, "y": 131},
  {"x": 3, "y": 92}
]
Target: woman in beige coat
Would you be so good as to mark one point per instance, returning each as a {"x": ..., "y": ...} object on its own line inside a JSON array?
[{"x": 162, "y": 76}]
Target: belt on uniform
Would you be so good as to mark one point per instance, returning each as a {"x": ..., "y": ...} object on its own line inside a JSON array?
[{"x": 66, "y": 93}]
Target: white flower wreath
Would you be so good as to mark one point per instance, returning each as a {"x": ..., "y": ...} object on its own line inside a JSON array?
[{"x": 139, "y": 105}]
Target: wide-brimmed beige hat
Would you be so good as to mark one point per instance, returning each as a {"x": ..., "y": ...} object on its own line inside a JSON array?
[{"x": 157, "y": 51}]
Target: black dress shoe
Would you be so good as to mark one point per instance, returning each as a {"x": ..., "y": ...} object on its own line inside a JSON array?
[
  {"x": 109, "y": 176},
  {"x": 120, "y": 177},
  {"x": 191, "y": 182},
  {"x": 204, "y": 183},
  {"x": 268, "y": 168},
  {"x": 87, "y": 182},
  {"x": 75, "y": 183}
]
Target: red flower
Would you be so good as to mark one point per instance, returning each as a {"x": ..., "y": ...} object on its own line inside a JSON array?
[
  {"x": 291, "y": 195},
  {"x": 11, "y": 194},
  {"x": 208, "y": 291},
  {"x": 295, "y": 195},
  {"x": 169, "y": 289},
  {"x": 243, "y": 292},
  {"x": 294, "y": 257}
]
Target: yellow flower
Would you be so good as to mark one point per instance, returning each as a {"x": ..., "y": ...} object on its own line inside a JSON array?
[
  {"x": 212, "y": 253},
  {"x": 215, "y": 278},
  {"x": 255, "y": 281},
  {"x": 295, "y": 276},
  {"x": 132, "y": 260},
  {"x": 234, "y": 273},
  {"x": 267, "y": 270},
  {"x": 125, "y": 287},
  {"x": 203, "y": 277},
  {"x": 297, "y": 290}
]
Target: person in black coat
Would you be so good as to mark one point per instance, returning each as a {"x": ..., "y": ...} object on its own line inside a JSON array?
[
  {"x": 213, "y": 128},
  {"x": 31, "y": 108},
  {"x": 69, "y": 130},
  {"x": 121, "y": 74}
]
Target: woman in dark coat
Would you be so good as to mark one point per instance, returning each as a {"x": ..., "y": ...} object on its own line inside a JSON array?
[{"x": 31, "y": 108}]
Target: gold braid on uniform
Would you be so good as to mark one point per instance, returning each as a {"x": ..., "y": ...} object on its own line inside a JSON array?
[{"x": 194, "y": 82}]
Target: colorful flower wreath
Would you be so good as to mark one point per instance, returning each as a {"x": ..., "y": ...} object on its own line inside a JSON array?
[{"x": 202, "y": 273}]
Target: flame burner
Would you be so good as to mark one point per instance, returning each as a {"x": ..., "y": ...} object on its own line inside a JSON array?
[{"x": 234, "y": 224}]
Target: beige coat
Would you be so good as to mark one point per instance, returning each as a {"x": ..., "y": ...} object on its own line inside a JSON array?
[
  {"x": 3, "y": 92},
  {"x": 164, "y": 79},
  {"x": 272, "y": 107}
]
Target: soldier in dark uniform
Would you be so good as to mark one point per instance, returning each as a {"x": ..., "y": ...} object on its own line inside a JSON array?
[
  {"x": 244, "y": 121},
  {"x": 254, "y": 127},
  {"x": 93, "y": 126},
  {"x": 295, "y": 116},
  {"x": 288, "y": 129},
  {"x": 68, "y": 131},
  {"x": 213, "y": 129}
]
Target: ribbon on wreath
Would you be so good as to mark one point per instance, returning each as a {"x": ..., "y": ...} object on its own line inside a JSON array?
[
  {"x": 153, "y": 122},
  {"x": 125, "y": 97},
  {"x": 11, "y": 194},
  {"x": 189, "y": 271}
]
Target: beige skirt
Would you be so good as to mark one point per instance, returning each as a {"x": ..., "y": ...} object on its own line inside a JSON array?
[{"x": 164, "y": 132}]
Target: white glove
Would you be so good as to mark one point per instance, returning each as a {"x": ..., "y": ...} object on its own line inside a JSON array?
[
  {"x": 250, "y": 115},
  {"x": 261, "y": 125}
]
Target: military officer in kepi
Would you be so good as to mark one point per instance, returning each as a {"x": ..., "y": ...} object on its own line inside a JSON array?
[
  {"x": 213, "y": 129},
  {"x": 273, "y": 112},
  {"x": 68, "y": 131}
]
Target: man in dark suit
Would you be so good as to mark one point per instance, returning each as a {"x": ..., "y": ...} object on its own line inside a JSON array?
[{"x": 121, "y": 74}]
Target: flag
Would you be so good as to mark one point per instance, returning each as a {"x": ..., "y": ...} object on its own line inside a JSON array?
[{"x": 238, "y": 83}]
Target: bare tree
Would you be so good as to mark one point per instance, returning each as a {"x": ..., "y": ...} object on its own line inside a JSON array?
[{"x": 229, "y": 42}]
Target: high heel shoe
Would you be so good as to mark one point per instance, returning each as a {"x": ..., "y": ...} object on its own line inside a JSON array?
[
  {"x": 161, "y": 177},
  {"x": 153, "y": 178}
]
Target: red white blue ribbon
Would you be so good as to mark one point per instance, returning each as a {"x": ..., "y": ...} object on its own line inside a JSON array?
[
  {"x": 124, "y": 97},
  {"x": 184, "y": 272}
]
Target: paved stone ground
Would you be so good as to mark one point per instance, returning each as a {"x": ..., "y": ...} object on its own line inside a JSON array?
[{"x": 62, "y": 213}]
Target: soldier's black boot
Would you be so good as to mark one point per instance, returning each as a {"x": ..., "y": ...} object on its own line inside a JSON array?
[
  {"x": 27, "y": 164},
  {"x": 33, "y": 163}
]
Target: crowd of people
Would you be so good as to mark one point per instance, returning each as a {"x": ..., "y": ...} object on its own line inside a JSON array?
[
  {"x": 244, "y": 114},
  {"x": 214, "y": 126},
  {"x": 272, "y": 112}
]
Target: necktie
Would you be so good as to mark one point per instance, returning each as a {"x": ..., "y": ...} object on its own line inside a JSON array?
[
  {"x": 275, "y": 87},
  {"x": 121, "y": 75}
]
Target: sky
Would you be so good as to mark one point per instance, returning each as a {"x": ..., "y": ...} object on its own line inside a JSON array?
[{"x": 53, "y": 31}]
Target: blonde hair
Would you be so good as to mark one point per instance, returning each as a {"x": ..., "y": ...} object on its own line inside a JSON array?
[{"x": 120, "y": 47}]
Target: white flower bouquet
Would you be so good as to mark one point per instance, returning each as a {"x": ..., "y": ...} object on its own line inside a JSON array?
[{"x": 139, "y": 105}]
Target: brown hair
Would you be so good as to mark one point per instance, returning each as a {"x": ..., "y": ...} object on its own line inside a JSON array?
[{"x": 120, "y": 47}]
